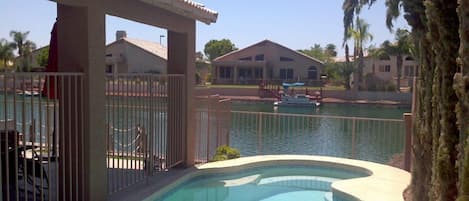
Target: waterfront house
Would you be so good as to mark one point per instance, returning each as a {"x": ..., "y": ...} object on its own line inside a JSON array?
[
  {"x": 384, "y": 69},
  {"x": 129, "y": 55},
  {"x": 268, "y": 61}
]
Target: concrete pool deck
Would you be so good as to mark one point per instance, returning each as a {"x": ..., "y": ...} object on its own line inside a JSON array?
[{"x": 384, "y": 183}]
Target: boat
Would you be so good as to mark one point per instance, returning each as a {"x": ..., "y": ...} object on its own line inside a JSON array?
[
  {"x": 28, "y": 93},
  {"x": 295, "y": 100}
]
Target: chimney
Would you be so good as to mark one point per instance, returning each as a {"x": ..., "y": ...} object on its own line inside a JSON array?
[{"x": 120, "y": 35}]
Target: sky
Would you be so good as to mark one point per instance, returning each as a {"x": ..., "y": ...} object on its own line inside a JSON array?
[{"x": 297, "y": 24}]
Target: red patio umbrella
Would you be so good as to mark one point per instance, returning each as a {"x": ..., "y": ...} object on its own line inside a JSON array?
[{"x": 49, "y": 88}]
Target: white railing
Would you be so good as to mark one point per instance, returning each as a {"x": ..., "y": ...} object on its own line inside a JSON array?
[
  {"x": 144, "y": 137},
  {"x": 256, "y": 133},
  {"x": 41, "y": 136}
]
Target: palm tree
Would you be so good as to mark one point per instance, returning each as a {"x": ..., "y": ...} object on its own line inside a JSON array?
[
  {"x": 400, "y": 48},
  {"x": 6, "y": 51},
  {"x": 440, "y": 168},
  {"x": 361, "y": 35},
  {"x": 24, "y": 46}
]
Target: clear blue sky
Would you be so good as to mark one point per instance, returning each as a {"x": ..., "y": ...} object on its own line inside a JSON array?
[{"x": 298, "y": 24}]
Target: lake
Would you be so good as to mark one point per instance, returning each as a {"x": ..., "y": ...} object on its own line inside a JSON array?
[
  {"x": 282, "y": 131},
  {"x": 355, "y": 110},
  {"x": 279, "y": 131}
]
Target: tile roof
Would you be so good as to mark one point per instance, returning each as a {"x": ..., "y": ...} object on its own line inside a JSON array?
[
  {"x": 187, "y": 8},
  {"x": 271, "y": 42},
  {"x": 149, "y": 46}
]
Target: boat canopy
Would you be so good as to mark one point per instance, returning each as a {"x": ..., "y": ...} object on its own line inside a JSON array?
[{"x": 295, "y": 84}]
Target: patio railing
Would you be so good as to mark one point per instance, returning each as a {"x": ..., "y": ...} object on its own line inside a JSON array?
[
  {"x": 41, "y": 130},
  {"x": 41, "y": 143},
  {"x": 138, "y": 131},
  {"x": 256, "y": 133},
  {"x": 213, "y": 126}
]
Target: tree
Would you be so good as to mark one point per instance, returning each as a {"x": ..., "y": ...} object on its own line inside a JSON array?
[
  {"x": 361, "y": 35},
  {"x": 24, "y": 46},
  {"x": 6, "y": 51},
  {"x": 316, "y": 51},
  {"x": 330, "y": 50},
  {"x": 216, "y": 48},
  {"x": 43, "y": 57},
  {"x": 441, "y": 131}
]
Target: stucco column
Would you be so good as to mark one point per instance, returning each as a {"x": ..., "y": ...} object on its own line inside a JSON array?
[
  {"x": 235, "y": 75},
  {"x": 81, "y": 48},
  {"x": 181, "y": 60}
]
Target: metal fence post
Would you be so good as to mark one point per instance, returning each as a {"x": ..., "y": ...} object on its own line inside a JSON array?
[
  {"x": 354, "y": 122},
  {"x": 150, "y": 162},
  {"x": 408, "y": 140},
  {"x": 259, "y": 133}
]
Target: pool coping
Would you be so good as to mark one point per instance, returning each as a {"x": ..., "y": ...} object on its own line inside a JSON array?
[{"x": 384, "y": 182}]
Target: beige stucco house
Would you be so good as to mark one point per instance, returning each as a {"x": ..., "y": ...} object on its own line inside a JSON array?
[
  {"x": 266, "y": 60},
  {"x": 129, "y": 55},
  {"x": 385, "y": 68}
]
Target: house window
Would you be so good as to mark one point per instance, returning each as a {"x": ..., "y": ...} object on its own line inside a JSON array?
[
  {"x": 225, "y": 72},
  {"x": 109, "y": 68},
  {"x": 409, "y": 58},
  {"x": 285, "y": 59},
  {"x": 312, "y": 73},
  {"x": 286, "y": 73},
  {"x": 258, "y": 73},
  {"x": 385, "y": 68},
  {"x": 244, "y": 73},
  {"x": 259, "y": 57},
  {"x": 408, "y": 71},
  {"x": 246, "y": 59}
]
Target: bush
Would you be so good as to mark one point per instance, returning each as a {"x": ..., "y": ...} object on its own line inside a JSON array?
[
  {"x": 225, "y": 153},
  {"x": 373, "y": 83}
]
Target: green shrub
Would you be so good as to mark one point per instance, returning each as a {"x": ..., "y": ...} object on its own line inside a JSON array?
[{"x": 225, "y": 153}]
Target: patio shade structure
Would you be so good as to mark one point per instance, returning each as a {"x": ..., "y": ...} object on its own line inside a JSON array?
[{"x": 81, "y": 48}]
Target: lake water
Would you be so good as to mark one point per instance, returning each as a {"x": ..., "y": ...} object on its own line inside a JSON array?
[
  {"x": 374, "y": 140},
  {"x": 277, "y": 132},
  {"x": 369, "y": 111}
]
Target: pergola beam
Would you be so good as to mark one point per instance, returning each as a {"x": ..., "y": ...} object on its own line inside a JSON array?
[{"x": 147, "y": 14}]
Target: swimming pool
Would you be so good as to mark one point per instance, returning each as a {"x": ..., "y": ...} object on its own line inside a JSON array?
[
  {"x": 282, "y": 177},
  {"x": 268, "y": 183}
]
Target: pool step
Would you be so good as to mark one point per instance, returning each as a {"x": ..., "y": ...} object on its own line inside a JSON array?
[
  {"x": 304, "y": 182},
  {"x": 328, "y": 196}
]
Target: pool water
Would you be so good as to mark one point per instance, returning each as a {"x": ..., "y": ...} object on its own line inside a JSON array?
[{"x": 281, "y": 183}]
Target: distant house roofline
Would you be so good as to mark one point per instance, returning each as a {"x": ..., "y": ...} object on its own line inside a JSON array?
[
  {"x": 269, "y": 41},
  {"x": 143, "y": 45}
]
